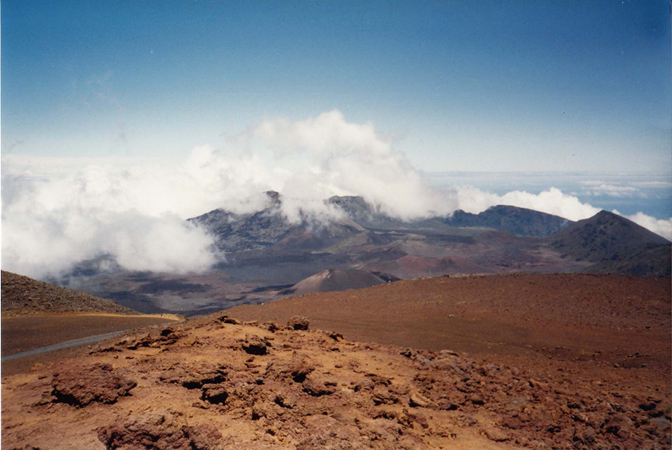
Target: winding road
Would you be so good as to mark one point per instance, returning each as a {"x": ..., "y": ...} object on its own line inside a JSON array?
[{"x": 60, "y": 346}]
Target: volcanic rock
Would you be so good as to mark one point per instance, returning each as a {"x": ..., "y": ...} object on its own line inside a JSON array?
[
  {"x": 254, "y": 345},
  {"x": 296, "y": 369},
  {"x": 214, "y": 393},
  {"x": 80, "y": 386},
  {"x": 318, "y": 387},
  {"x": 159, "y": 430},
  {"x": 368, "y": 395},
  {"x": 298, "y": 323},
  {"x": 418, "y": 400}
]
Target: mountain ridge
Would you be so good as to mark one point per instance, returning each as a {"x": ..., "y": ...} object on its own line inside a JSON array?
[
  {"x": 268, "y": 227},
  {"x": 262, "y": 254}
]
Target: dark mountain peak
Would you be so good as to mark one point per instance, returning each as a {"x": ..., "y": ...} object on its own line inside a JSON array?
[
  {"x": 276, "y": 197},
  {"x": 610, "y": 223},
  {"x": 350, "y": 204},
  {"x": 364, "y": 213},
  {"x": 605, "y": 213},
  {"x": 507, "y": 209},
  {"x": 270, "y": 227},
  {"x": 345, "y": 199},
  {"x": 606, "y": 217},
  {"x": 606, "y": 239}
]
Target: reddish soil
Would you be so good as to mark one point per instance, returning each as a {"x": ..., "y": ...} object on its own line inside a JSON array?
[
  {"x": 29, "y": 332},
  {"x": 601, "y": 318},
  {"x": 213, "y": 382}
]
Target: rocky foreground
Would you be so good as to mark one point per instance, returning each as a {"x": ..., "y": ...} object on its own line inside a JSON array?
[{"x": 216, "y": 383}]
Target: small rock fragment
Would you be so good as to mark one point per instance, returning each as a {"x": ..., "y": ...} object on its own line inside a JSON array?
[
  {"x": 285, "y": 400},
  {"x": 298, "y": 323},
  {"x": 382, "y": 396},
  {"x": 271, "y": 326},
  {"x": 318, "y": 388},
  {"x": 495, "y": 434},
  {"x": 226, "y": 319},
  {"x": 297, "y": 369},
  {"x": 159, "y": 430},
  {"x": 254, "y": 345},
  {"x": 215, "y": 394},
  {"x": 336, "y": 336},
  {"x": 417, "y": 400}
]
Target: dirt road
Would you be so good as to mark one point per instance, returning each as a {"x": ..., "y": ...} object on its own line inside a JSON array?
[{"x": 52, "y": 332}]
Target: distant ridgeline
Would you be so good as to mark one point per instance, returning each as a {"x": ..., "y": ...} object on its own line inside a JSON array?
[
  {"x": 611, "y": 243},
  {"x": 264, "y": 256},
  {"x": 269, "y": 227}
]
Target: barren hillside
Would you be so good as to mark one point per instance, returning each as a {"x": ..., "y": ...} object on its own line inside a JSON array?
[
  {"x": 561, "y": 315},
  {"x": 22, "y": 295},
  {"x": 335, "y": 280}
]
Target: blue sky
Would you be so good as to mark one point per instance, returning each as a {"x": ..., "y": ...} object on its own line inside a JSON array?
[
  {"x": 121, "y": 119},
  {"x": 477, "y": 86}
]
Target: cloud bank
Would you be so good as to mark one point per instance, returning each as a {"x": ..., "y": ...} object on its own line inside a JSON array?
[
  {"x": 662, "y": 227},
  {"x": 50, "y": 226},
  {"x": 59, "y": 211}
]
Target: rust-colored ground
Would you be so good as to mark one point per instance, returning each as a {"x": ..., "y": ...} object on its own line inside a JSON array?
[
  {"x": 560, "y": 361},
  {"x": 601, "y": 318},
  {"x": 29, "y": 332},
  {"x": 21, "y": 333},
  {"x": 212, "y": 384}
]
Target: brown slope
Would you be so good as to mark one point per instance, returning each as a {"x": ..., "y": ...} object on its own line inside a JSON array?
[
  {"x": 37, "y": 314},
  {"x": 503, "y": 315},
  {"x": 23, "y": 295}
]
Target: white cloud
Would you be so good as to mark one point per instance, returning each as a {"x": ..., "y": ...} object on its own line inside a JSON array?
[
  {"x": 597, "y": 188},
  {"x": 52, "y": 243},
  {"x": 552, "y": 201},
  {"x": 59, "y": 211},
  {"x": 662, "y": 227},
  {"x": 653, "y": 184},
  {"x": 326, "y": 155},
  {"x": 49, "y": 226}
]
